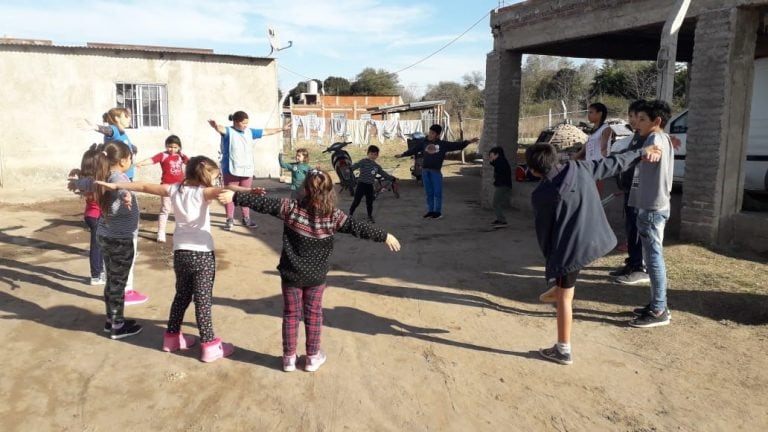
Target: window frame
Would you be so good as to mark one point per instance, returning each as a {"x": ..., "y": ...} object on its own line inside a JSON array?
[{"x": 144, "y": 96}]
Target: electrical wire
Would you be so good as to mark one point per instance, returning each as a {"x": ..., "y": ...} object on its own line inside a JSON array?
[{"x": 418, "y": 62}]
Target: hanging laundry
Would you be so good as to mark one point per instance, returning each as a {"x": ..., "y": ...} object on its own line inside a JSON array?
[
  {"x": 338, "y": 126},
  {"x": 408, "y": 127},
  {"x": 358, "y": 131}
]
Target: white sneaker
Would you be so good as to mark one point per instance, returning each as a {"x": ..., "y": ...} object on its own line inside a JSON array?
[
  {"x": 98, "y": 281},
  {"x": 315, "y": 361},
  {"x": 160, "y": 237}
]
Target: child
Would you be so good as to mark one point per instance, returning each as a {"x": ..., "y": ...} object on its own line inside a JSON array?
[
  {"x": 633, "y": 272},
  {"x": 571, "y": 226},
  {"x": 650, "y": 195},
  {"x": 598, "y": 144},
  {"x": 92, "y": 213},
  {"x": 502, "y": 183},
  {"x": 299, "y": 170},
  {"x": 368, "y": 170},
  {"x": 193, "y": 258},
  {"x": 434, "y": 150},
  {"x": 115, "y": 233},
  {"x": 118, "y": 119},
  {"x": 237, "y": 159},
  {"x": 172, "y": 163},
  {"x": 309, "y": 226}
]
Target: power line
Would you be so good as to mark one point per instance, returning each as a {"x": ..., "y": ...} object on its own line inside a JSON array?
[
  {"x": 451, "y": 42},
  {"x": 446, "y": 45}
]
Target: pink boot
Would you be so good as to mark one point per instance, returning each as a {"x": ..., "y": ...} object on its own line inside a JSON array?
[
  {"x": 177, "y": 341},
  {"x": 215, "y": 350}
]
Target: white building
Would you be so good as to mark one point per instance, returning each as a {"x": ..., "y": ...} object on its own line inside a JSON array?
[{"x": 48, "y": 91}]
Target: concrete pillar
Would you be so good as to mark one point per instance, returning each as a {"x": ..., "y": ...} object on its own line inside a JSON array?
[
  {"x": 503, "y": 72},
  {"x": 720, "y": 96}
]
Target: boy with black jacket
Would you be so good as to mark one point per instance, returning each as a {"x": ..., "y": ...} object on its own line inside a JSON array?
[
  {"x": 502, "y": 183},
  {"x": 571, "y": 226},
  {"x": 434, "y": 150}
]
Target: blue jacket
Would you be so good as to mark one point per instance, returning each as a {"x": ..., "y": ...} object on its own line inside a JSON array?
[{"x": 571, "y": 226}]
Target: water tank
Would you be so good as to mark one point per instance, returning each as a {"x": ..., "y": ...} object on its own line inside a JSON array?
[{"x": 312, "y": 87}]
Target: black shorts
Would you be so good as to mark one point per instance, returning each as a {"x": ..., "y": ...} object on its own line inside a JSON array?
[{"x": 568, "y": 280}]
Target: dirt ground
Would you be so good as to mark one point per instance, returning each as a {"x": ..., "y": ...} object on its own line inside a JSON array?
[{"x": 442, "y": 336}]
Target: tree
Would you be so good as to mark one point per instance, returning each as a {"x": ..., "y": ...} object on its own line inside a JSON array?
[
  {"x": 566, "y": 84},
  {"x": 468, "y": 98},
  {"x": 474, "y": 78},
  {"x": 375, "y": 82},
  {"x": 337, "y": 86}
]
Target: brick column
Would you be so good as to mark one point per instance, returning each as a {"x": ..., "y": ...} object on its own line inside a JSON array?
[
  {"x": 720, "y": 94},
  {"x": 503, "y": 73}
]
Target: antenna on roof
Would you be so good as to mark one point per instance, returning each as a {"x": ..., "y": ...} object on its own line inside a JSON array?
[{"x": 274, "y": 42}]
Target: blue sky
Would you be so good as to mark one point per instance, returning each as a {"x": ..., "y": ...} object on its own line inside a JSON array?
[{"x": 330, "y": 38}]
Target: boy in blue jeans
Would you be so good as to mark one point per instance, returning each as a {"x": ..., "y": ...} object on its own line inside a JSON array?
[
  {"x": 434, "y": 150},
  {"x": 650, "y": 195}
]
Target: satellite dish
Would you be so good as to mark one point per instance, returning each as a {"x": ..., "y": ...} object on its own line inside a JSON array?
[{"x": 274, "y": 42}]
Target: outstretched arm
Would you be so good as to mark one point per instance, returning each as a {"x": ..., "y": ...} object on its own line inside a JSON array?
[
  {"x": 458, "y": 145},
  {"x": 150, "y": 188},
  {"x": 219, "y": 128},
  {"x": 255, "y": 202}
]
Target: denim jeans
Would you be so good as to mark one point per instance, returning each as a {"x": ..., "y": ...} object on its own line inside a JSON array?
[
  {"x": 634, "y": 245},
  {"x": 433, "y": 189},
  {"x": 650, "y": 226}
]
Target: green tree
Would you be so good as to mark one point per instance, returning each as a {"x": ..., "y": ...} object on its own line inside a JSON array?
[
  {"x": 337, "y": 86},
  {"x": 375, "y": 82}
]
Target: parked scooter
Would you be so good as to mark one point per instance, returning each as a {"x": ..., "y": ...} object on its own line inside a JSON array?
[
  {"x": 381, "y": 184},
  {"x": 416, "y": 139},
  {"x": 341, "y": 162}
]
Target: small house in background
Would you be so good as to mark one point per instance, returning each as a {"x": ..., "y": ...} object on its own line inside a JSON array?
[{"x": 49, "y": 90}]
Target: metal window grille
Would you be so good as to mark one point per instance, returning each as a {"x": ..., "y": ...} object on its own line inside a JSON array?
[{"x": 148, "y": 104}]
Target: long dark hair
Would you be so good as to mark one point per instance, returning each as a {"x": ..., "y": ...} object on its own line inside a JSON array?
[
  {"x": 319, "y": 197},
  {"x": 111, "y": 155},
  {"x": 603, "y": 110}
]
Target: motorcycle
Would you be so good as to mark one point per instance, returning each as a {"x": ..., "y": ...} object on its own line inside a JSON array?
[
  {"x": 341, "y": 162},
  {"x": 381, "y": 184},
  {"x": 416, "y": 139}
]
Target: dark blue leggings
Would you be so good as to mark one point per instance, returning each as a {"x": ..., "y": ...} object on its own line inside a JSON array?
[{"x": 96, "y": 258}]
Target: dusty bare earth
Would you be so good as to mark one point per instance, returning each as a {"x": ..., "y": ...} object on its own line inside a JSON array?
[{"x": 442, "y": 336}]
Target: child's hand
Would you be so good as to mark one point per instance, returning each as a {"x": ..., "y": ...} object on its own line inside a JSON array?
[
  {"x": 392, "y": 243},
  {"x": 225, "y": 197},
  {"x": 260, "y": 191},
  {"x": 106, "y": 185},
  {"x": 652, "y": 153},
  {"x": 127, "y": 200},
  {"x": 85, "y": 125}
]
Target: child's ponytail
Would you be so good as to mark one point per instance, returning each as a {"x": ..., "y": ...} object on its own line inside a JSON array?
[{"x": 110, "y": 155}]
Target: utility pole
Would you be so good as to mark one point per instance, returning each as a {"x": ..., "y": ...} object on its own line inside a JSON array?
[{"x": 665, "y": 62}]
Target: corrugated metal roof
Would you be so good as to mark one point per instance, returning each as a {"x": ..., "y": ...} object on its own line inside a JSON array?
[
  {"x": 413, "y": 106},
  {"x": 40, "y": 43}
]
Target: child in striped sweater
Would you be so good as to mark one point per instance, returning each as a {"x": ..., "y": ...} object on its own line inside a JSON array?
[
  {"x": 368, "y": 171},
  {"x": 308, "y": 228}
]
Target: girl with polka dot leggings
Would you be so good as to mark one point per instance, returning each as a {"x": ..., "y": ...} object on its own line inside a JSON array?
[{"x": 193, "y": 259}]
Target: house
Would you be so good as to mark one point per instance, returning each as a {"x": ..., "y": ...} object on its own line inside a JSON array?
[{"x": 48, "y": 91}]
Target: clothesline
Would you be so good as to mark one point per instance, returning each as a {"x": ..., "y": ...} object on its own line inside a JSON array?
[{"x": 357, "y": 131}]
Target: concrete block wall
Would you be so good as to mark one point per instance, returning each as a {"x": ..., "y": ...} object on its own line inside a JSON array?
[
  {"x": 503, "y": 72},
  {"x": 721, "y": 74}
]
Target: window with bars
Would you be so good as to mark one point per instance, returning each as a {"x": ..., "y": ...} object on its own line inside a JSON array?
[{"x": 148, "y": 104}]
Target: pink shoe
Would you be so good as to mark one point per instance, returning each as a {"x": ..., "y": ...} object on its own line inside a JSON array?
[
  {"x": 177, "y": 341},
  {"x": 134, "y": 297},
  {"x": 215, "y": 349}
]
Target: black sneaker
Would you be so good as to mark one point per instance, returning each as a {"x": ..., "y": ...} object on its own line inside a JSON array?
[
  {"x": 650, "y": 319},
  {"x": 437, "y": 215},
  {"x": 634, "y": 278},
  {"x": 428, "y": 215},
  {"x": 108, "y": 325},
  {"x": 638, "y": 312},
  {"x": 125, "y": 331},
  {"x": 370, "y": 219},
  {"x": 498, "y": 224},
  {"x": 625, "y": 270},
  {"x": 553, "y": 354}
]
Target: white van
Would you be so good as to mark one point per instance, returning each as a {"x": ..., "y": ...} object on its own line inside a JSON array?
[{"x": 756, "y": 175}]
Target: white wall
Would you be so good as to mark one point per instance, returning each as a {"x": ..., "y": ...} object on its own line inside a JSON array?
[{"x": 46, "y": 92}]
